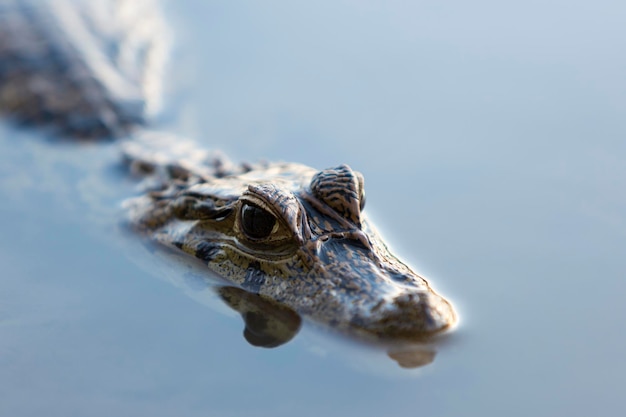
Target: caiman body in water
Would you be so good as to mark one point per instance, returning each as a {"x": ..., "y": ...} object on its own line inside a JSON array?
[{"x": 288, "y": 232}]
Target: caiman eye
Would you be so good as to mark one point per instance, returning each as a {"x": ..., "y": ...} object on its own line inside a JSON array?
[{"x": 256, "y": 222}]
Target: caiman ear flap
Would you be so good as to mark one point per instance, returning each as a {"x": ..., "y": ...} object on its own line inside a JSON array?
[{"x": 341, "y": 188}]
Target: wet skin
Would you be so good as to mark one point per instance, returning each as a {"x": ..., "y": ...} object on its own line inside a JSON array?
[{"x": 295, "y": 235}]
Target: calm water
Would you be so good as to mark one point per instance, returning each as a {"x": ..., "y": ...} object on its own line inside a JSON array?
[{"x": 492, "y": 140}]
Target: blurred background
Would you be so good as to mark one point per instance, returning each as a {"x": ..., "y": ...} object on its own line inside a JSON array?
[{"x": 492, "y": 140}]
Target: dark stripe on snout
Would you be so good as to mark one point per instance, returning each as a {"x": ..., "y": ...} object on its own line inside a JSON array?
[
  {"x": 254, "y": 279},
  {"x": 206, "y": 251}
]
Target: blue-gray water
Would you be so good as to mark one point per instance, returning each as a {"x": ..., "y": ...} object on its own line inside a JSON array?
[{"x": 492, "y": 138}]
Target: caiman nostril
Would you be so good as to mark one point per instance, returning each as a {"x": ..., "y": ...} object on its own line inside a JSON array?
[
  {"x": 406, "y": 299},
  {"x": 418, "y": 313}
]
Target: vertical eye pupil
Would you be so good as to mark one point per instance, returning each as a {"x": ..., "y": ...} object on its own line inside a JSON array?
[{"x": 256, "y": 222}]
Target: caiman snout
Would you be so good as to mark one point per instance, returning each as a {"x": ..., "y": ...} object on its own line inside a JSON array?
[
  {"x": 424, "y": 313},
  {"x": 408, "y": 315},
  {"x": 376, "y": 294}
]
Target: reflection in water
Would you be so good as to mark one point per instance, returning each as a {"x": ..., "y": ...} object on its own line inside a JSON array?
[
  {"x": 268, "y": 323},
  {"x": 413, "y": 357}
]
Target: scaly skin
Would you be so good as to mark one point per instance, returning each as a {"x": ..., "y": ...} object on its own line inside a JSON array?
[{"x": 322, "y": 258}]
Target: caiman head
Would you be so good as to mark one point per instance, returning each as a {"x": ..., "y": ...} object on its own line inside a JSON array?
[{"x": 299, "y": 237}]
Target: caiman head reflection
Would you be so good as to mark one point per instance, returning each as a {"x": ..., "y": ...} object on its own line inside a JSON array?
[{"x": 297, "y": 236}]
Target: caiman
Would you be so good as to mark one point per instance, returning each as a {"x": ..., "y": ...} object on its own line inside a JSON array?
[{"x": 290, "y": 233}]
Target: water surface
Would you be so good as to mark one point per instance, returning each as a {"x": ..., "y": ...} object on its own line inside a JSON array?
[{"x": 491, "y": 138}]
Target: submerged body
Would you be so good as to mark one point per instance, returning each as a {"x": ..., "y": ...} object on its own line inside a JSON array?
[{"x": 288, "y": 232}]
